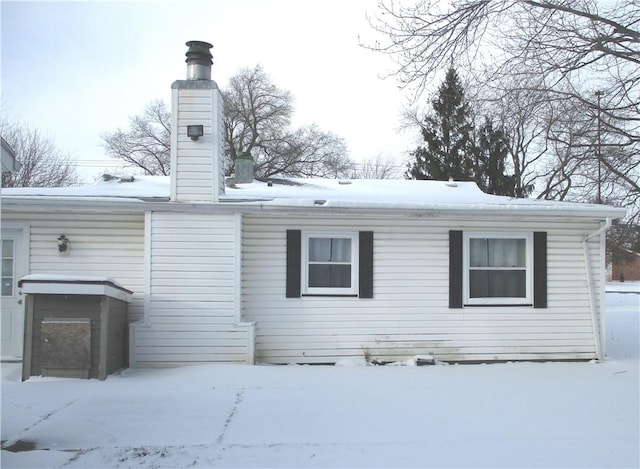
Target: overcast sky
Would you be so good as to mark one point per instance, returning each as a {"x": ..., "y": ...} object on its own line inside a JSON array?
[{"x": 78, "y": 69}]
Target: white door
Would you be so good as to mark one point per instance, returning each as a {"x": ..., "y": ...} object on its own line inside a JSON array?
[{"x": 14, "y": 267}]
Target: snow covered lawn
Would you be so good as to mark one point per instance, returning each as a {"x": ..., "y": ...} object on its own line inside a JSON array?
[{"x": 497, "y": 415}]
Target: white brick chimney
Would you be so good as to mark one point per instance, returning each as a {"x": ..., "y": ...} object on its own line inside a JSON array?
[{"x": 197, "y": 149}]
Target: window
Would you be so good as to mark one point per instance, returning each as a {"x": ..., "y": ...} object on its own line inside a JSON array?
[
  {"x": 333, "y": 264},
  {"x": 536, "y": 270},
  {"x": 497, "y": 268},
  {"x": 330, "y": 264},
  {"x": 8, "y": 258}
]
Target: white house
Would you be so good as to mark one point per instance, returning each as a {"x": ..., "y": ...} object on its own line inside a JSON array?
[
  {"x": 313, "y": 270},
  {"x": 9, "y": 162}
]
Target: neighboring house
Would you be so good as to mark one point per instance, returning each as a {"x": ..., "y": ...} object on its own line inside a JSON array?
[
  {"x": 317, "y": 270},
  {"x": 9, "y": 162}
]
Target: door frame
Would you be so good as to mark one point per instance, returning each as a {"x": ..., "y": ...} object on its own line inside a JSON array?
[{"x": 21, "y": 231}]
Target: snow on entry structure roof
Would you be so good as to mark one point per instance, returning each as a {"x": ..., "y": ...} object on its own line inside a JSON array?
[
  {"x": 297, "y": 192},
  {"x": 61, "y": 278}
]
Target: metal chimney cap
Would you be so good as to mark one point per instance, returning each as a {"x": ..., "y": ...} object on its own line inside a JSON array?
[
  {"x": 198, "y": 60},
  {"x": 199, "y": 52}
]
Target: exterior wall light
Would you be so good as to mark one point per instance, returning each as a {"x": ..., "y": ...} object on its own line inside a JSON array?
[
  {"x": 195, "y": 131},
  {"x": 63, "y": 244}
]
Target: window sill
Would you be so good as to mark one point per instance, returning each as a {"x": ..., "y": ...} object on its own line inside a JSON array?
[
  {"x": 498, "y": 305},
  {"x": 330, "y": 295}
]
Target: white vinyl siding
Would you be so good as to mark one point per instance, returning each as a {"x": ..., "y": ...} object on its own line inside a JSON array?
[
  {"x": 198, "y": 171},
  {"x": 102, "y": 244},
  {"x": 191, "y": 313},
  {"x": 409, "y": 313}
]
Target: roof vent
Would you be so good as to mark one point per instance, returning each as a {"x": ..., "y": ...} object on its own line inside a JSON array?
[
  {"x": 451, "y": 183},
  {"x": 199, "y": 60},
  {"x": 344, "y": 182}
]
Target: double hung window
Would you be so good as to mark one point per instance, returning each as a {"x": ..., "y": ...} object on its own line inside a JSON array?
[
  {"x": 330, "y": 264},
  {"x": 498, "y": 268}
]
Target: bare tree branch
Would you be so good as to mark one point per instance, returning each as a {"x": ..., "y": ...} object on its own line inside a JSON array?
[
  {"x": 257, "y": 117},
  {"x": 377, "y": 167},
  {"x": 257, "y": 120},
  {"x": 43, "y": 164},
  {"x": 147, "y": 142}
]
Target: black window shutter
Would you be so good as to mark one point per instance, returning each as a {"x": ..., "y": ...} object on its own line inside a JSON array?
[
  {"x": 455, "y": 269},
  {"x": 294, "y": 246},
  {"x": 539, "y": 269},
  {"x": 366, "y": 264}
]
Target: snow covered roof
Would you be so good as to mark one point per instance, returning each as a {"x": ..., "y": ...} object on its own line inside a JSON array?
[
  {"x": 137, "y": 187},
  {"x": 330, "y": 193}
]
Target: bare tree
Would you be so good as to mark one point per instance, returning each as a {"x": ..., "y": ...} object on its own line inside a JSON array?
[
  {"x": 147, "y": 142},
  {"x": 560, "y": 44},
  {"x": 558, "y": 37},
  {"x": 257, "y": 120},
  {"x": 524, "y": 116},
  {"x": 43, "y": 164},
  {"x": 304, "y": 152},
  {"x": 378, "y": 167},
  {"x": 256, "y": 112}
]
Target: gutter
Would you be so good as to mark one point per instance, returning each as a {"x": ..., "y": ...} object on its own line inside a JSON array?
[{"x": 597, "y": 321}]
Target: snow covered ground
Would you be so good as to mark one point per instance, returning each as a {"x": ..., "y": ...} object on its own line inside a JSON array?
[{"x": 493, "y": 415}]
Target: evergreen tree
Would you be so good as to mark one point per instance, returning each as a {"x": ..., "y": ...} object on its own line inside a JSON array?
[
  {"x": 491, "y": 151},
  {"x": 453, "y": 150},
  {"x": 447, "y": 133}
]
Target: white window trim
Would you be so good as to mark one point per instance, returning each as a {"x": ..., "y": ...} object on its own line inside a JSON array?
[
  {"x": 306, "y": 289},
  {"x": 528, "y": 299}
]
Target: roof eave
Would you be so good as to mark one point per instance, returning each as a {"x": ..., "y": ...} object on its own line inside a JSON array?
[{"x": 32, "y": 203}]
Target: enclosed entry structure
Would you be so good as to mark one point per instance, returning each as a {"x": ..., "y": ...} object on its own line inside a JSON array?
[{"x": 74, "y": 326}]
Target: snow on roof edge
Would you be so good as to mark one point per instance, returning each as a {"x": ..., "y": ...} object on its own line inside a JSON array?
[{"x": 291, "y": 193}]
